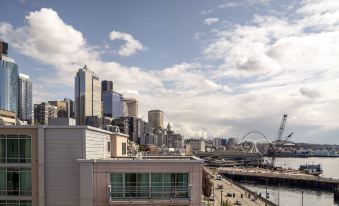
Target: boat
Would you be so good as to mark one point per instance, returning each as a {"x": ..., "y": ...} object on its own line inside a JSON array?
[{"x": 315, "y": 170}]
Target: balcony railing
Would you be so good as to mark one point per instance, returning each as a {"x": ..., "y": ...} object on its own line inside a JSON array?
[{"x": 149, "y": 192}]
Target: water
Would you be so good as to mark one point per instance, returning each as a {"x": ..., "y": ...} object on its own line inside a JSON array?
[{"x": 293, "y": 196}]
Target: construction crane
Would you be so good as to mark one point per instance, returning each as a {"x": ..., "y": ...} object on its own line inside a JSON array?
[{"x": 278, "y": 144}]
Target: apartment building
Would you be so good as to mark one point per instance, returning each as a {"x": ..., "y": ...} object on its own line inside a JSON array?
[{"x": 87, "y": 166}]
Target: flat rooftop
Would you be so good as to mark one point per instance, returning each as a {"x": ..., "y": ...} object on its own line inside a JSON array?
[{"x": 146, "y": 159}]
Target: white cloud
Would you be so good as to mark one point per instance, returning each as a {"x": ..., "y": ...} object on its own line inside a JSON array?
[
  {"x": 132, "y": 45},
  {"x": 309, "y": 92},
  {"x": 205, "y": 12},
  {"x": 210, "y": 21}
]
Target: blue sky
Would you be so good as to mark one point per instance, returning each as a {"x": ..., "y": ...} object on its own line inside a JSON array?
[{"x": 216, "y": 68}]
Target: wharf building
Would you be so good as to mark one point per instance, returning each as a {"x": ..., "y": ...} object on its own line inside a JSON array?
[
  {"x": 88, "y": 106},
  {"x": 86, "y": 166}
]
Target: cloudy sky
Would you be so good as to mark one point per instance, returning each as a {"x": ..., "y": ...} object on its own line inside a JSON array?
[{"x": 216, "y": 68}]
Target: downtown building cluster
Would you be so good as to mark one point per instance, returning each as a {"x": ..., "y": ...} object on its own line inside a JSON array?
[{"x": 77, "y": 153}]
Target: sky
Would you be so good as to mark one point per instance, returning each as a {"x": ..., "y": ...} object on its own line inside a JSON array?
[{"x": 217, "y": 68}]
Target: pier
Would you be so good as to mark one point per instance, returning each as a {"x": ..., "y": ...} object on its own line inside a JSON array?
[{"x": 284, "y": 177}]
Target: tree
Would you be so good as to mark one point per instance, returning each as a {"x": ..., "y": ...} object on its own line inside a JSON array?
[{"x": 206, "y": 183}]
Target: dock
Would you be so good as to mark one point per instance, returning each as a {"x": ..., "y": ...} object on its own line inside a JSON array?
[{"x": 284, "y": 177}]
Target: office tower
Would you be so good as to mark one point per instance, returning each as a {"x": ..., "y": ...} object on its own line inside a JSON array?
[
  {"x": 44, "y": 111},
  {"x": 156, "y": 118},
  {"x": 25, "y": 106},
  {"x": 8, "y": 80},
  {"x": 130, "y": 107},
  {"x": 87, "y": 96},
  {"x": 106, "y": 86},
  {"x": 61, "y": 108},
  {"x": 69, "y": 108},
  {"x": 113, "y": 104}
]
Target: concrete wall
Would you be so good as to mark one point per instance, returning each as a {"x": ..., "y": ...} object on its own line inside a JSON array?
[{"x": 102, "y": 170}]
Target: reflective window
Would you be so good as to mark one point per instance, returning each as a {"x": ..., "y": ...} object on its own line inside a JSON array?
[
  {"x": 149, "y": 185},
  {"x": 15, "y": 149},
  {"x": 15, "y": 181}
]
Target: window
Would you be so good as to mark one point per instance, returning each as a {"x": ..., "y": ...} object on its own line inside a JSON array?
[
  {"x": 15, "y": 202},
  {"x": 108, "y": 146},
  {"x": 149, "y": 185},
  {"x": 15, "y": 181},
  {"x": 124, "y": 148},
  {"x": 15, "y": 149}
]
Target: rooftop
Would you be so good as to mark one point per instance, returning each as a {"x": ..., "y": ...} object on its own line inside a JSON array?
[{"x": 147, "y": 159}]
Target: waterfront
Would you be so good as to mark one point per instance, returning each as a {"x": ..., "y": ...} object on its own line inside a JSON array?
[
  {"x": 293, "y": 196},
  {"x": 330, "y": 165}
]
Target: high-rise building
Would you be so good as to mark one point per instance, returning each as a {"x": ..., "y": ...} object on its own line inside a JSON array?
[
  {"x": 69, "y": 108},
  {"x": 156, "y": 118},
  {"x": 8, "y": 80},
  {"x": 113, "y": 104},
  {"x": 44, "y": 111},
  {"x": 106, "y": 86},
  {"x": 87, "y": 95},
  {"x": 130, "y": 107},
  {"x": 25, "y": 106}
]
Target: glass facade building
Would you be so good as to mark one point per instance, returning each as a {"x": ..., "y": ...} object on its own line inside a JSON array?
[
  {"x": 15, "y": 170},
  {"x": 149, "y": 185},
  {"x": 113, "y": 104},
  {"x": 25, "y": 106},
  {"x": 8, "y": 84}
]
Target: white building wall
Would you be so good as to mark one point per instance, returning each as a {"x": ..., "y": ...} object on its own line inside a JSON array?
[{"x": 96, "y": 145}]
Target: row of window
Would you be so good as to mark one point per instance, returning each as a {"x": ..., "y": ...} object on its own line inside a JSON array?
[
  {"x": 15, "y": 202},
  {"x": 15, "y": 181},
  {"x": 149, "y": 185},
  {"x": 15, "y": 149}
]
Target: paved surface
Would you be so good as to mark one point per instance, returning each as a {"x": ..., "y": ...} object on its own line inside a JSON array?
[{"x": 228, "y": 187}]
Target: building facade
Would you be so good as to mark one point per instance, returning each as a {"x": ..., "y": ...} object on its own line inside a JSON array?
[
  {"x": 130, "y": 107},
  {"x": 87, "y": 166},
  {"x": 156, "y": 118},
  {"x": 8, "y": 81},
  {"x": 44, "y": 111},
  {"x": 87, "y": 95},
  {"x": 113, "y": 104},
  {"x": 106, "y": 86},
  {"x": 25, "y": 98}
]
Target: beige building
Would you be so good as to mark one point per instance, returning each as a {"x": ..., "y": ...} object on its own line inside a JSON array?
[
  {"x": 87, "y": 166},
  {"x": 156, "y": 118},
  {"x": 130, "y": 107},
  {"x": 87, "y": 96},
  {"x": 7, "y": 117}
]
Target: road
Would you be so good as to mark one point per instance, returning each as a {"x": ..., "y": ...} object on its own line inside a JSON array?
[{"x": 228, "y": 187}]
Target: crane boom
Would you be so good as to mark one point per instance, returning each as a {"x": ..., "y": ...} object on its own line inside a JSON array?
[{"x": 282, "y": 127}]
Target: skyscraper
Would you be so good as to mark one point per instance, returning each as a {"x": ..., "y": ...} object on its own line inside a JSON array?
[
  {"x": 8, "y": 80},
  {"x": 25, "y": 98},
  {"x": 87, "y": 96},
  {"x": 44, "y": 111},
  {"x": 106, "y": 86},
  {"x": 130, "y": 107},
  {"x": 113, "y": 103},
  {"x": 156, "y": 118}
]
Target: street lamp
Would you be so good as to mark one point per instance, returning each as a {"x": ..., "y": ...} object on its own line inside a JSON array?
[
  {"x": 302, "y": 198},
  {"x": 221, "y": 197}
]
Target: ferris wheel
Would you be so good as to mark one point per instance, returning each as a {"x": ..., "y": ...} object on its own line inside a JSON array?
[{"x": 254, "y": 142}]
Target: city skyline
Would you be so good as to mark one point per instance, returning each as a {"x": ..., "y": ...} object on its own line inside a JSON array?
[{"x": 222, "y": 76}]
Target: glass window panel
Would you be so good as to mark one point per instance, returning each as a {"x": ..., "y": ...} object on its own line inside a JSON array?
[
  {"x": 12, "y": 150},
  {"x": 143, "y": 185},
  {"x": 25, "y": 150},
  {"x": 167, "y": 185},
  {"x": 130, "y": 184},
  {"x": 3, "y": 148},
  {"x": 123, "y": 148},
  {"x": 12, "y": 181},
  {"x": 25, "y": 183},
  {"x": 157, "y": 185},
  {"x": 3, "y": 181},
  {"x": 116, "y": 185}
]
